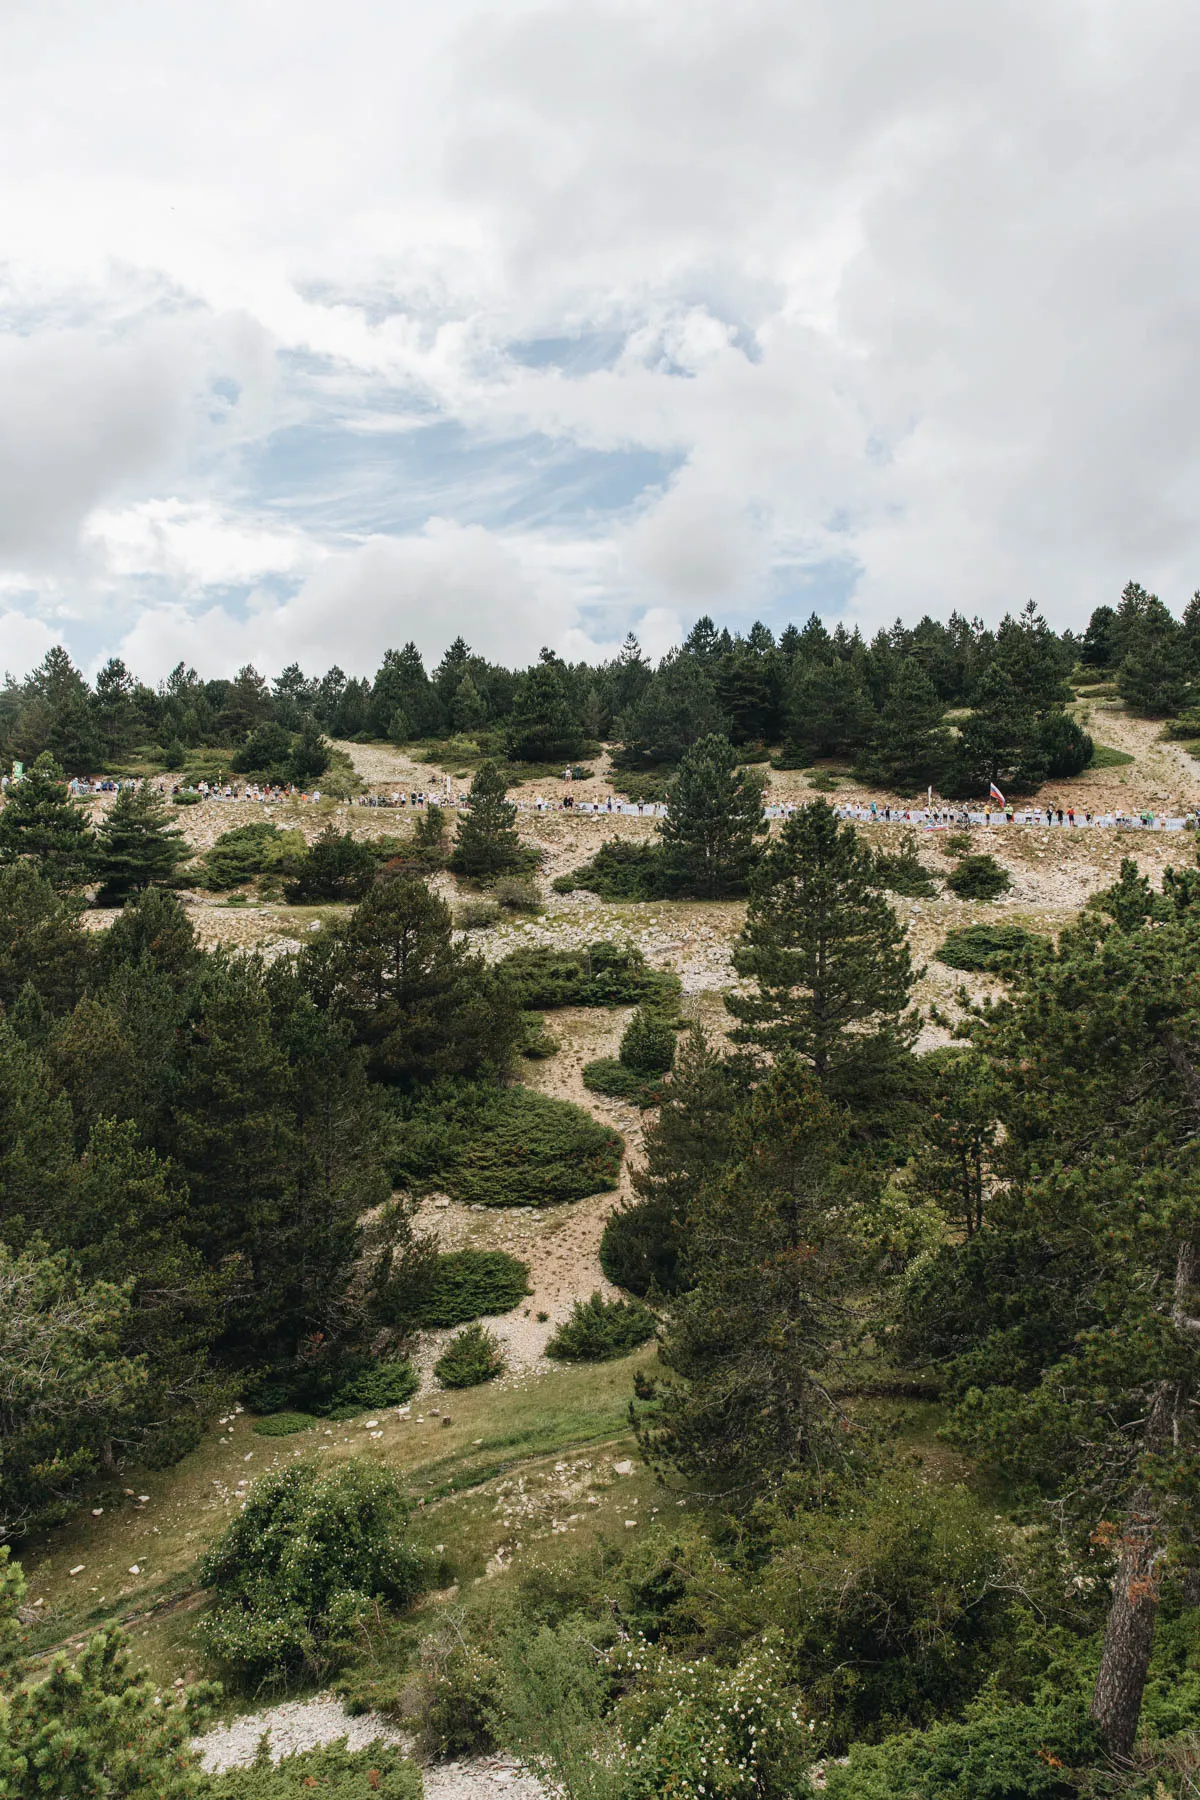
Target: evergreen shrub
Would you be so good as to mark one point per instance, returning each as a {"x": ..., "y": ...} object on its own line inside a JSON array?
[
  {"x": 187, "y": 797},
  {"x": 500, "y": 1146},
  {"x": 604, "y": 974},
  {"x": 517, "y": 895},
  {"x": 639, "y": 1248},
  {"x": 379, "y": 1771},
  {"x": 648, "y": 1044},
  {"x": 535, "y": 1041},
  {"x": 473, "y": 1284},
  {"x": 610, "y": 1077},
  {"x": 599, "y": 1330},
  {"x": 476, "y": 915},
  {"x": 472, "y": 1357},
  {"x": 246, "y": 851},
  {"x": 1022, "y": 1751},
  {"x": 302, "y": 1571},
  {"x": 339, "y": 1389},
  {"x": 621, "y": 869},
  {"x": 902, "y": 871},
  {"x": 978, "y": 878},
  {"x": 995, "y": 949},
  {"x": 955, "y": 843}
]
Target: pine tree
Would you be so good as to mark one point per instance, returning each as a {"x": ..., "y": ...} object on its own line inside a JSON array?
[
  {"x": 92, "y": 1728},
  {"x": 828, "y": 711},
  {"x": 41, "y": 941},
  {"x": 714, "y": 816},
  {"x": 136, "y": 846},
  {"x": 1082, "y": 1292},
  {"x": 468, "y": 709},
  {"x": 754, "y": 1339},
  {"x": 678, "y": 707},
  {"x": 487, "y": 844},
  {"x": 908, "y": 747},
  {"x": 645, "y": 1242},
  {"x": 828, "y": 957},
  {"x": 41, "y": 822},
  {"x": 422, "y": 1004},
  {"x": 543, "y": 726}
]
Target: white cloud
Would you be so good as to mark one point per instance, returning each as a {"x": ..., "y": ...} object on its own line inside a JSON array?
[{"x": 911, "y": 288}]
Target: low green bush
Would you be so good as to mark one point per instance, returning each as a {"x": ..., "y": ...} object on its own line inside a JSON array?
[
  {"x": 599, "y": 1330},
  {"x": 610, "y": 1077},
  {"x": 339, "y": 1389},
  {"x": 955, "y": 843},
  {"x": 187, "y": 797},
  {"x": 379, "y": 1771},
  {"x": 648, "y": 1044},
  {"x": 604, "y": 974},
  {"x": 994, "y": 948},
  {"x": 640, "y": 1249},
  {"x": 536, "y": 1041},
  {"x": 298, "y": 1577},
  {"x": 284, "y": 1424},
  {"x": 502, "y": 1146},
  {"x": 1020, "y": 1753},
  {"x": 473, "y": 1284},
  {"x": 335, "y": 868},
  {"x": 515, "y": 894},
  {"x": 978, "y": 878},
  {"x": 620, "y": 870},
  {"x": 246, "y": 851},
  {"x": 902, "y": 871},
  {"x": 471, "y": 1357},
  {"x": 476, "y": 915},
  {"x": 644, "y": 786}
]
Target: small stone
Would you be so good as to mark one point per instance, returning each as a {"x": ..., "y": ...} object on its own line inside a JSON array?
[
  {"x": 97, "y": 1512},
  {"x": 623, "y": 1468},
  {"x": 134, "y": 1569},
  {"x": 77, "y": 1570}
]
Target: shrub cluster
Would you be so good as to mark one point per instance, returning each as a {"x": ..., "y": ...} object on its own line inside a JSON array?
[
  {"x": 978, "y": 878},
  {"x": 302, "y": 1571},
  {"x": 473, "y": 1284},
  {"x": 471, "y": 1357},
  {"x": 639, "y": 1248},
  {"x": 995, "y": 949},
  {"x": 247, "y": 851},
  {"x": 498, "y": 1146},
  {"x": 902, "y": 871},
  {"x": 599, "y": 1330},
  {"x": 379, "y": 1771},
  {"x": 337, "y": 1390},
  {"x": 621, "y": 869},
  {"x": 647, "y": 1054},
  {"x": 604, "y": 974}
]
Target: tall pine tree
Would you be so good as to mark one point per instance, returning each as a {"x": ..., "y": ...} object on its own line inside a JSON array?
[
  {"x": 714, "y": 819},
  {"x": 828, "y": 959}
]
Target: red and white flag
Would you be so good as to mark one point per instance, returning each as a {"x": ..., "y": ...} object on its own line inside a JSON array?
[{"x": 995, "y": 793}]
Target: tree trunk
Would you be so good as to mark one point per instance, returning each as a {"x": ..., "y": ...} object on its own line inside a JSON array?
[{"x": 1129, "y": 1631}]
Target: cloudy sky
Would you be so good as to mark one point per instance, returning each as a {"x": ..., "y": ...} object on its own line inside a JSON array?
[{"x": 326, "y": 326}]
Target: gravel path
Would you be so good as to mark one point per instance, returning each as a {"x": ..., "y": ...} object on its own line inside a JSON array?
[{"x": 302, "y": 1724}]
